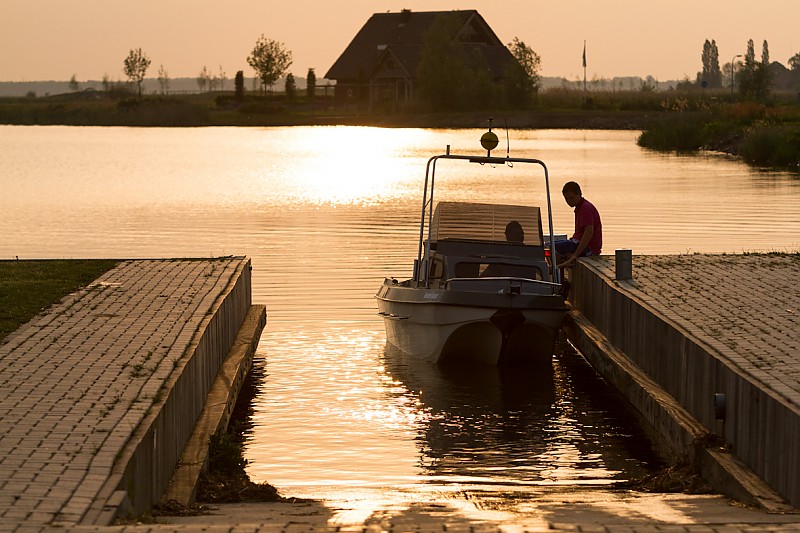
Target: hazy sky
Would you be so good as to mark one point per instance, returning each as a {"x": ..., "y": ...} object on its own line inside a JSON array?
[{"x": 55, "y": 39}]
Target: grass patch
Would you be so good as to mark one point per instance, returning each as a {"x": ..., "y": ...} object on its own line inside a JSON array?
[
  {"x": 28, "y": 287},
  {"x": 226, "y": 480}
]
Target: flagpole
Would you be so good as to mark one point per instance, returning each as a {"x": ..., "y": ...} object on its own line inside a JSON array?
[{"x": 584, "y": 68}]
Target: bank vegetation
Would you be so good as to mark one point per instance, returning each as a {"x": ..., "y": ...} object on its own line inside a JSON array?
[{"x": 763, "y": 134}]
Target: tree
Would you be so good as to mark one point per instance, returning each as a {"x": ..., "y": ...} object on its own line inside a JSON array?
[
  {"x": 755, "y": 79},
  {"x": 290, "y": 88},
  {"x": 136, "y": 65},
  {"x": 747, "y": 74},
  {"x": 203, "y": 79},
  {"x": 73, "y": 84},
  {"x": 711, "y": 73},
  {"x": 270, "y": 60},
  {"x": 311, "y": 85},
  {"x": 728, "y": 72},
  {"x": 448, "y": 77},
  {"x": 649, "y": 85},
  {"x": 763, "y": 74},
  {"x": 238, "y": 84},
  {"x": 794, "y": 62},
  {"x": 522, "y": 80},
  {"x": 163, "y": 79},
  {"x": 220, "y": 79}
]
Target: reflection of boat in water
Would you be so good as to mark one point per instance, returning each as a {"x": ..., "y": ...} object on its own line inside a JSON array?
[
  {"x": 520, "y": 425},
  {"x": 482, "y": 288},
  {"x": 482, "y": 424}
]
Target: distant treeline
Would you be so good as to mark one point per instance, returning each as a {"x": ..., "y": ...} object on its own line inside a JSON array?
[{"x": 191, "y": 86}]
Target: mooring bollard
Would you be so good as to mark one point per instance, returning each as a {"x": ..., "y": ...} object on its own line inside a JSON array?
[{"x": 624, "y": 265}]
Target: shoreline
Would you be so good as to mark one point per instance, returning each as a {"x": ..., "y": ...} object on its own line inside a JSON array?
[{"x": 566, "y": 119}]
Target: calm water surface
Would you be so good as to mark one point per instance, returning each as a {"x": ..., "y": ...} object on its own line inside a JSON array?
[{"x": 325, "y": 214}]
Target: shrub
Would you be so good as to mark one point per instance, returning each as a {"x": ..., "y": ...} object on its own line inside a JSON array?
[
  {"x": 772, "y": 145},
  {"x": 684, "y": 132}
]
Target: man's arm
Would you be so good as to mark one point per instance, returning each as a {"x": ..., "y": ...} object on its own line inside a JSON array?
[{"x": 588, "y": 231}]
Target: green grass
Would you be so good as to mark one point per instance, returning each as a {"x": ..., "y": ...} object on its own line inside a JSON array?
[{"x": 28, "y": 287}]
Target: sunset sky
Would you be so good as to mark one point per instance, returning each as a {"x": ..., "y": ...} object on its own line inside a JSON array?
[{"x": 55, "y": 39}]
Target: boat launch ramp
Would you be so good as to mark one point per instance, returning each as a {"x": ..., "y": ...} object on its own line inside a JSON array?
[{"x": 100, "y": 394}]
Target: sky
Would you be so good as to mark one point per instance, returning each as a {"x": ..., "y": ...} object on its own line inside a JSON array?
[{"x": 56, "y": 39}]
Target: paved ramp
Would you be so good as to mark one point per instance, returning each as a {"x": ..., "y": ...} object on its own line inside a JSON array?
[{"x": 99, "y": 394}]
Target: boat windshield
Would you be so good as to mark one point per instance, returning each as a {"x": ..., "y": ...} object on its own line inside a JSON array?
[{"x": 516, "y": 224}]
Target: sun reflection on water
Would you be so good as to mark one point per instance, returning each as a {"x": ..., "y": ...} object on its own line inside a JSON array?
[{"x": 361, "y": 165}]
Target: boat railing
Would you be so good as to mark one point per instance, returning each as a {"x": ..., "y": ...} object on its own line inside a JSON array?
[
  {"x": 424, "y": 251},
  {"x": 509, "y": 279}
]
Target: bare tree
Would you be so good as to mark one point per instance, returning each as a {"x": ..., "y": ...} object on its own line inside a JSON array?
[
  {"x": 163, "y": 79},
  {"x": 203, "y": 79},
  {"x": 220, "y": 79},
  {"x": 136, "y": 65},
  {"x": 73, "y": 84}
]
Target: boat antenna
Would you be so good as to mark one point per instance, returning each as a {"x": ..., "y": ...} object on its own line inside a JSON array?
[
  {"x": 508, "y": 140},
  {"x": 508, "y": 143},
  {"x": 489, "y": 139}
]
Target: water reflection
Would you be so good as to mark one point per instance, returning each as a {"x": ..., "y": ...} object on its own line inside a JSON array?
[{"x": 521, "y": 425}]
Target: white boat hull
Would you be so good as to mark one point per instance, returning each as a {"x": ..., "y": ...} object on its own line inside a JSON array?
[{"x": 507, "y": 329}]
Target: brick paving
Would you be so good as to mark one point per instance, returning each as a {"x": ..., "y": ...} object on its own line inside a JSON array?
[
  {"x": 78, "y": 379},
  {"x": 747, "y": 307},
  {"x": 75, "y": 381}
]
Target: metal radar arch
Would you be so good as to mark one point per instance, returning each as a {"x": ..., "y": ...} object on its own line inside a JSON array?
[{"x": 489, "y": 142}]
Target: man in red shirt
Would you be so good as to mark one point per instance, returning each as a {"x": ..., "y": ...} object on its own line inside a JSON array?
[{"x": 588, "y": 236}]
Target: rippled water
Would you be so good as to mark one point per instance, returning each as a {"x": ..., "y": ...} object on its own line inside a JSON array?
[{"x": 325, "y": 214}]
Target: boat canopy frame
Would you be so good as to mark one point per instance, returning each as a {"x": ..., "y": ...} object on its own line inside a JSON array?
[{"x": 421, "y": 275}]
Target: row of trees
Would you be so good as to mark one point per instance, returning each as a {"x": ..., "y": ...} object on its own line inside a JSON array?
[
  {"x": 449, "y": 77},
  {"x": 755, "y": 78},
  {"x": 269, "y": 59}
]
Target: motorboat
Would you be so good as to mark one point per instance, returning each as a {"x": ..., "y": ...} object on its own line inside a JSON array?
[{"x": 483, "y": 286}]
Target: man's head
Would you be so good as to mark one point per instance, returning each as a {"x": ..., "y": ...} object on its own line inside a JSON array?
[
  {"x": 572, "y": 193},
  {"x": 514, "y": 232}
]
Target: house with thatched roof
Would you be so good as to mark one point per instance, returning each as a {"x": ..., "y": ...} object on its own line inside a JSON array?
[{"x": 380, "y": 63}]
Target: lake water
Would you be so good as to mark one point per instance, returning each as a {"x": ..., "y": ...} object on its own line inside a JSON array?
[{"x": 325, "y": 213}]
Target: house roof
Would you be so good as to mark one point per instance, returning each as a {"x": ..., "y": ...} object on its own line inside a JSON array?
[{"x": 404, "y": 34}]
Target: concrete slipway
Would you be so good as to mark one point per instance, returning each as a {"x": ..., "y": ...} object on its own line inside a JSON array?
[{"x": 100, "y": 395}]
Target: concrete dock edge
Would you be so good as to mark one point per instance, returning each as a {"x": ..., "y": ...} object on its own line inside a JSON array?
[
  {"x": 218, "y": 408},
  {"x": 671, "y": 376},
  {"x": 673, "y": 429},
  {"x": 144, "y": 467}
]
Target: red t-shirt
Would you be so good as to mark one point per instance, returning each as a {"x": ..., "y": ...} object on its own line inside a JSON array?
[{"x": 586, "y": 215}]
